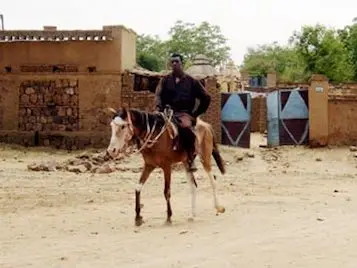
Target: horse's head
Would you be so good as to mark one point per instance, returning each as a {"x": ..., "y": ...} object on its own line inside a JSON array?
[{"x": 122, "y": 131}]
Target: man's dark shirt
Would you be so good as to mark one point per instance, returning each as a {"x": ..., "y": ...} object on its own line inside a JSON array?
[{"x": 181, "y": 96}]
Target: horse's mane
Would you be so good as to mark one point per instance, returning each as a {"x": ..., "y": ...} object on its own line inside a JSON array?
[{"x": 140, "y": 118}]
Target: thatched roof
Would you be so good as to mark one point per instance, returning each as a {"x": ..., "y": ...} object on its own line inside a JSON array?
[
  {"x": 230, "y": 70},
  {"x": 201, "y": 67},
  {"x": 144, "y": 72}
]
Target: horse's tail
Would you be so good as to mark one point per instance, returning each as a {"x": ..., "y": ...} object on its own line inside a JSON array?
[{"x": 217, "y": 156}]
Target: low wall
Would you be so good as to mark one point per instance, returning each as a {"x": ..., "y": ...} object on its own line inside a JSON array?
[{"x": 342, "y": 114}]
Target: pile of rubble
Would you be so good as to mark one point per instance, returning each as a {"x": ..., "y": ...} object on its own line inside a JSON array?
[{"x": 85, "y": 162}]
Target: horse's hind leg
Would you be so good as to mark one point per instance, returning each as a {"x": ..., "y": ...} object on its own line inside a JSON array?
[
  {"x": 144, "y": 176},
  {"x": 205, "y": 154},
  {"x": 219, "y": 208}
]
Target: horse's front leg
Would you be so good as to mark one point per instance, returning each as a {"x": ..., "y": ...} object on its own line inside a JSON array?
[
  {"x": 193, "y": 185},
  {"x": 144, "y": 176},
  {"x": 167, "y": 192}
]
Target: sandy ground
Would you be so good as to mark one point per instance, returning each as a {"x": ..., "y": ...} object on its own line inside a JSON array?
[{"x": 291, "y": 207}]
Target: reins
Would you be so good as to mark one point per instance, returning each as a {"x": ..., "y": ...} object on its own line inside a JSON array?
[{"x": 147, "y": 141}]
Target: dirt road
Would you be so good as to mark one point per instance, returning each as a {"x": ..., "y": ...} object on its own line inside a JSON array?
[{"x": 291, "y": 207}]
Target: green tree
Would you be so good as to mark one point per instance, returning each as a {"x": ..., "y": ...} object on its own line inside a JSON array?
[
  {"x": 284, "y": 60},
  {"x": 324, "y": 52},
  {"x": 191, "y": 40},
  {"x": 151, "y": 52},
  {"x": 348, "y": 36}
]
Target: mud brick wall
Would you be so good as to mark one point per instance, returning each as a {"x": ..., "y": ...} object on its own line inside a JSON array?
[
  {"x": 62, "y": 111},
  {"x": 342, "y": 114},
  {"x": 143, "y": 100},
  {"x": 96, "y": 94},
  {"x": 9, "y": 101},
  {"x": 49, "y": 105},
  {"x": 259, "y": 114}
]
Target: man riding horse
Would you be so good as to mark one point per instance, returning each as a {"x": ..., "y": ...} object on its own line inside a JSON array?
[{"x": 179, "y": 91}]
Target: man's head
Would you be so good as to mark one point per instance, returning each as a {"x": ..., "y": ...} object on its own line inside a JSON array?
[{"x": 177, "y": 63}]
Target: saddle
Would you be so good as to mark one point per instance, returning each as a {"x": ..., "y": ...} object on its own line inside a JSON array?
[{"x": 173, "y": 128}]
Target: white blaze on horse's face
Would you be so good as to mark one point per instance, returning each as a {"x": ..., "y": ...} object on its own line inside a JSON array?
[{"x": 120, "y": 136}]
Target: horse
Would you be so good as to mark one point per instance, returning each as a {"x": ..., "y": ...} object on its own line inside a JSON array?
[{"x": 130, "y": 126}]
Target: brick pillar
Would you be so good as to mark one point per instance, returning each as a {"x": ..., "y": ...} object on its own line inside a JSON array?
[
  {"x": 318, "y": 111},
  {"x": 213, "y": 114},
  {"x": 271, "y": 79},
  {"x": 127, "y": 89}
]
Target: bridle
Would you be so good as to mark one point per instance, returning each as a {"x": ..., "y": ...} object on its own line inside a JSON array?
[{"x": 147, "y": 141}]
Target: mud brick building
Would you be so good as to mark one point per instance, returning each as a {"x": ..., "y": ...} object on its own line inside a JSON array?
[{"x": 55, "y": 85}]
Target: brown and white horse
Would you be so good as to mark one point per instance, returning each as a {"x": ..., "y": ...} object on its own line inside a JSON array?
[{"x": 154, "y": 133}]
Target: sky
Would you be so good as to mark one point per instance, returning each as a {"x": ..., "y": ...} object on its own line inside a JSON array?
[{"x": 245, "y": 23}]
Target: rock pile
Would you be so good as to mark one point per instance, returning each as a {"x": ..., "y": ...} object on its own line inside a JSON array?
[{"x": 96, "y": 163}]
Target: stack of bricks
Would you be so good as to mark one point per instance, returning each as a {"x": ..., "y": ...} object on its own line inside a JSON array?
[
  {"x": 259, "y": 115},
  {"x": 213, "y": 114},
  {"x": 49, "y": 105}
]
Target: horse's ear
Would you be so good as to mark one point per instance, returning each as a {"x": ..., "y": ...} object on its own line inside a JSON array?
[
  {"x": 111, "y": 111},
  {"x": 123, "y": 113}
]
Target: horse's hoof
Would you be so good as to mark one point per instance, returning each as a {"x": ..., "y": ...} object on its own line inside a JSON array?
[
  {"x": 220, "y": 209},
  {"x": 168, "y": 222},
  {"x": 139, "y": 221},
  {"x": 191, "y": 219}
]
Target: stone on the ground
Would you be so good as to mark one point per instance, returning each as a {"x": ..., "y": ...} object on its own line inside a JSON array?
[
  {"x": 353, "y": 148},
  {"x": 104, "y": 169},
  {"x": 85, "y": 162},
  {"x": 250, "y": 154},
  {"x": 238, "y": 157},
  {"x": 77, "y": 169},
  {"x": 43, "y": 166}
]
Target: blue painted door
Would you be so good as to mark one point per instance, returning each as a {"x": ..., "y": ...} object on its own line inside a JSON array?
[
  {"x": 273, "y": 118},
  {"x": 235, "y": 119},
  {"x": 288, "y": 117}
]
